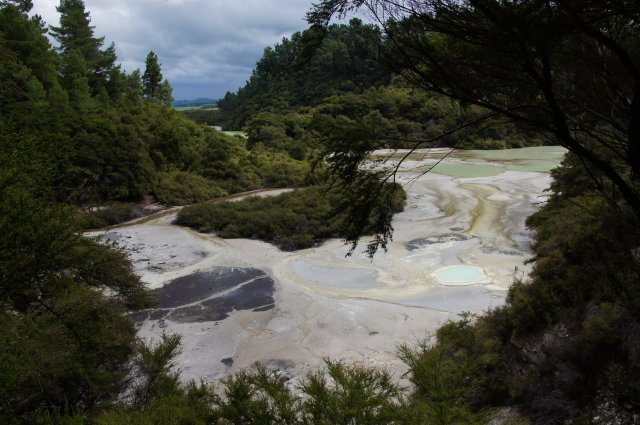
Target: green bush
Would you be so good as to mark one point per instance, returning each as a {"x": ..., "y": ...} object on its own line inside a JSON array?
[
  {"x": 341, "y": 395},
  {"x": 107, "y": 215},
  {"x": 157, "y": 397},
  {"x": 293, "y": 220},
  {"x": 65, "y": 347},
  {"x": 183, "y": 188},
  {"x": 458, "y": 372}
]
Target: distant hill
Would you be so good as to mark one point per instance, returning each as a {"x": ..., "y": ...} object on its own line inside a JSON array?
[
  {"x": 194, "y": 102},
  {"x": 303, "y": 70}
]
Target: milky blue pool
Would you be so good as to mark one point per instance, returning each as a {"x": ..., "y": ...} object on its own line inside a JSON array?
[{"x": 459, "y": 275}]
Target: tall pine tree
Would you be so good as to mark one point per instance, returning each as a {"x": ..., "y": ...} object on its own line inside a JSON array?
[
  {"x": 152, "y": 77},
  {"x": 24, "y": 36},
  {"x": 76, "y": 33}
]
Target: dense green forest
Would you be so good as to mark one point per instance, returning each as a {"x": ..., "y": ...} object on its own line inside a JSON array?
[
  {"x": 303, "y": 70},
  {"x": 340, "y": 74},
  {"x": 77, "y": 131},
  {"x": 102, "y": 135}
]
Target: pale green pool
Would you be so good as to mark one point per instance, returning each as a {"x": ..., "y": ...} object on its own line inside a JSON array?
[
  {"x": 477, "y": 163},
  {"x": 459, "y": 275},
  {"x": 236, "y": 133}
]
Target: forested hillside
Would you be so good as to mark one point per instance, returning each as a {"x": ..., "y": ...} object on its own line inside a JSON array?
[
  {"x": 342, "y": 73},
  {"x": 76, "y": 131},
  {"x": 305, "y": 69},
  {"x": 104, "y": 135}
]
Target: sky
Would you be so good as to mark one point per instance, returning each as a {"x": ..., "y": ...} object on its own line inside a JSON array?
[{"x": 205, "y": 47}]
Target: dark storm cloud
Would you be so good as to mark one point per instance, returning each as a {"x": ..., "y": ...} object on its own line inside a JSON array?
[{"x": 206, "y": 47}]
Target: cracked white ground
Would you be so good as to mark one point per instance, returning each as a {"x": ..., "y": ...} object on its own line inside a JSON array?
[{"x": 354, "y": 308}]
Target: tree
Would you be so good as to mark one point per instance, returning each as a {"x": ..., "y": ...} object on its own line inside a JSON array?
[
  {"x": 76, "y": 33},
  {"x": 165, "y": 93},
  {"x": 23, "y": 6},
  {"x": 25, "y": 37},
  {"x": 152, "y": 77},
  {"x": 568, "y": 69},
  {"x": 134, "y": 88},
  {"x": 64, "y": 343},
  {"x": 75, "y": 78}
]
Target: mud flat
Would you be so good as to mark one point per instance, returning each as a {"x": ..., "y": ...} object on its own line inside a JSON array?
[{"x": 238, "y": 302}]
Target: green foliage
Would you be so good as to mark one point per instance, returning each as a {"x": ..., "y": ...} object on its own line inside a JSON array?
[
  {"x": 202, "y": 115},
  {"x": 152, "y": 77},
  {"x": 65, "y": 345},
  {"x": 75, "y": 34},
  {"x": 279, "y": 133},
  {"x": 259, "y": 398},
  {"x": 24, "y": 37},
  {"x": 340, "y": 395},
  {"x": 106, "y": 215},
  {"x": 70, "y": 350},
  {"x": 183, "y": 188},
  {"x": 278, "y": 169},
  {"x": 41, "y": 251},
  {"x": 293, "y": 220},
  {"x": 565, "y": 258},
  {"x": 155, "y": 375},
  {"x": 458, "y": 372},
  {"x": 303, "y": 70},
  {"x": 191, "y": 405},
  {"x": 401, "y": 116},
  {"x": 165, "y": 94},
  {"x": 97, "y": 138},
  {"x": 75, "y": 78},
  {"x": 156, "y": 396},
  {"x": 352, "y": 395},
  {"x": 133, "y": 86},
  {"x": 583, "y": 293}
]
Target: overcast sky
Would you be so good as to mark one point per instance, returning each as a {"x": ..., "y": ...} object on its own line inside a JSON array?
[{"x": 205, "y": 47}]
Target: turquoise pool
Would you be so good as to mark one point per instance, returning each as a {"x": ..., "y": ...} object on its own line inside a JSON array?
[{"x": 459, "y": 275}]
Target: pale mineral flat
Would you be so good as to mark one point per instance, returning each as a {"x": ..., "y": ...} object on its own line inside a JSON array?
[{"x": 241, "y": 302}]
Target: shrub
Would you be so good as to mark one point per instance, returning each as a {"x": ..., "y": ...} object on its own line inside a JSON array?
[
  {"x": 107, "y": 215},
  {"x": 293, "y": 220},
  {"x": 183, "y": 188}
]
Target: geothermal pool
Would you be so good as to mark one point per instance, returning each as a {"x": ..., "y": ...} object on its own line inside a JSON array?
[
  {"x": 457, "y": 247},
  {"x": 459, "y": 275}
]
